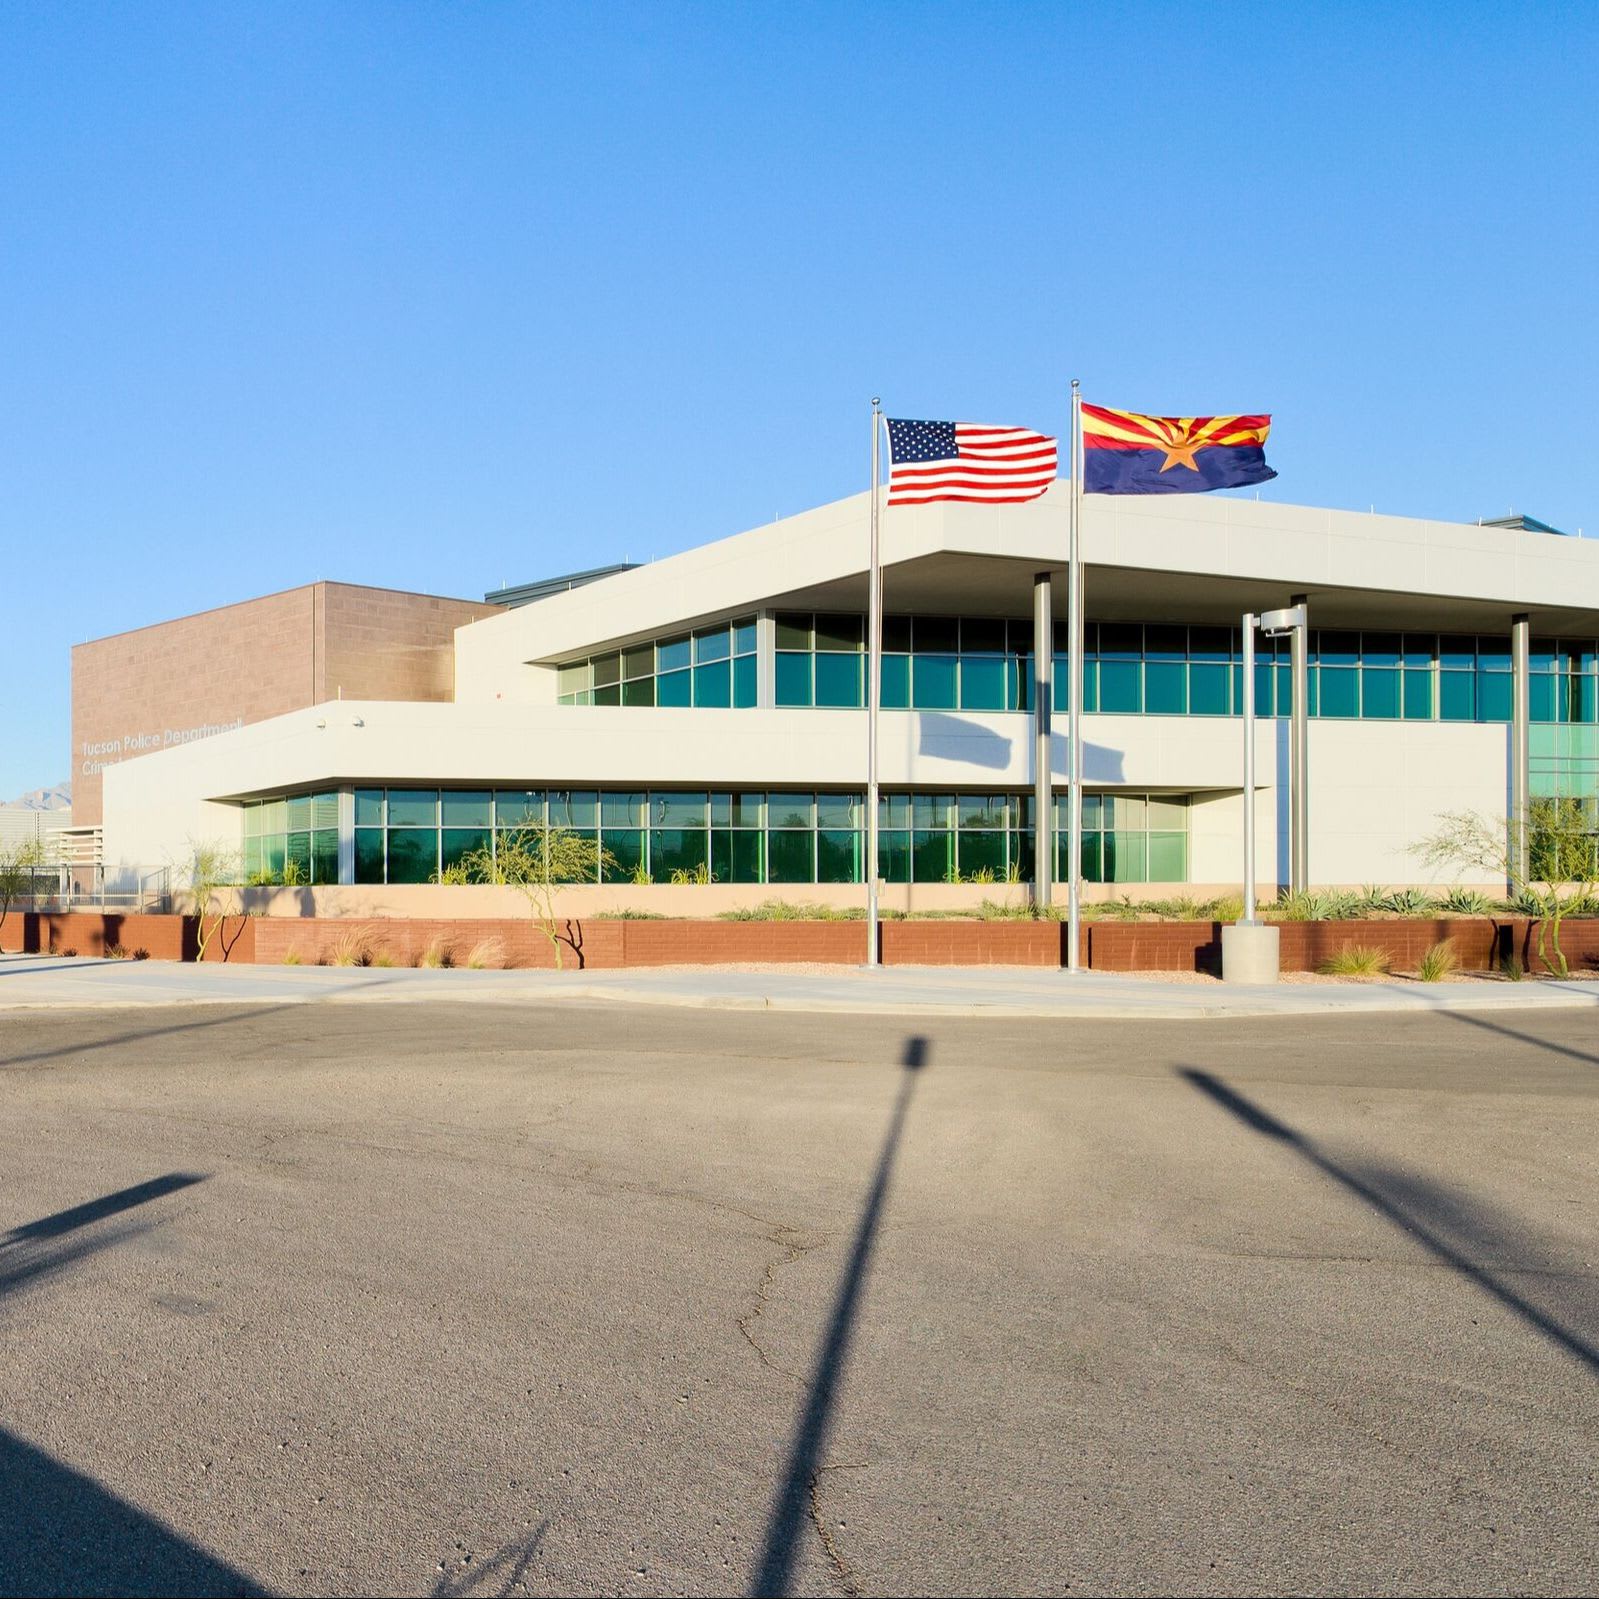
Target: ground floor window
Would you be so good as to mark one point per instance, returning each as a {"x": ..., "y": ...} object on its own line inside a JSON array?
[
  {"x": 773, "y": 836},
  {"x": 292, "y": 840}
]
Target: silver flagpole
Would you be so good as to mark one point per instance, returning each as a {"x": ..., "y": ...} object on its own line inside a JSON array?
[
  {"x": 874, "y": 668},
  {"x": 1074, "y": 696}
]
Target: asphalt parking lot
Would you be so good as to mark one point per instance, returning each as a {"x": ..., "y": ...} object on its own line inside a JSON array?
[{"x": 492, "y": 1299}]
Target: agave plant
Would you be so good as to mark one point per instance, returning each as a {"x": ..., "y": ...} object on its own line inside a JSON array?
[
  {"x": 1410, "y": 902},
  {"x": 1466, "y": 902}
]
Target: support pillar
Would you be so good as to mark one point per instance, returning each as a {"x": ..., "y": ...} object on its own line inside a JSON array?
[
  {"x": 1520, "y": 743},
  {"x": 1043, "y": 705},
  {"x": 765, "y": 660},
  {"x": 1298, "y": 759},
  {"x": 346, "y": 835}
]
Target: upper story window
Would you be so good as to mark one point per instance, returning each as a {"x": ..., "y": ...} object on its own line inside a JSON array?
[{"x": 712, "y": 666}]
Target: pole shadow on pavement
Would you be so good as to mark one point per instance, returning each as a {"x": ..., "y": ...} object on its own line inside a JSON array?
[{"x": 791, "y": 1508}]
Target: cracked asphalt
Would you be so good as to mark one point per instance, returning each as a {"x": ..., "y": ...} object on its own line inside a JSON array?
[{"x": 564, "y": 1299}]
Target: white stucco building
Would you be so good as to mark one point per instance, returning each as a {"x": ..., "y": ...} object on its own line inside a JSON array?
[{"x": 703, "y": 714}]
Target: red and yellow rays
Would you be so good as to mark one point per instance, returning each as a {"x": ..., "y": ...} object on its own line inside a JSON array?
[{"x": 1177, "y": 437}]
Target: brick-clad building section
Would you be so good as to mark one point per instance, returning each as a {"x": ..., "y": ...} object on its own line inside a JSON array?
[
  {"x": 1480, "y": 943},
  {"x": 146, "y": 690}
]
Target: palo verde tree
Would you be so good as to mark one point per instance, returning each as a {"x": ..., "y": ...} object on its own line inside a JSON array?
[
  {"x": 1561, "y": 871},
  {"x": 208, "y": 877},
  {"x": 537, "y": 862},
  {"x": 19, "y": 863}
]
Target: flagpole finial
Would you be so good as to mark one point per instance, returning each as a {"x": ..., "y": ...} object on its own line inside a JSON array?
[
  {"x": 1076, "y": 385},
  {"x": 877, "y": 401}
]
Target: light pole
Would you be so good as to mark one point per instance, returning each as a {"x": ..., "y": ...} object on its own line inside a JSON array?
[{"x": 1249, "y": 948}]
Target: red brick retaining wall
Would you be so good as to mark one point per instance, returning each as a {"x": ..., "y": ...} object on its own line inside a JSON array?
[
  {"x": 1479, "y": 942},
  {"x": 167, "y": 938}
]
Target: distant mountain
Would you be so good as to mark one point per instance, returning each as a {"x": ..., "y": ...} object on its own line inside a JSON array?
[{"x": 58, "y": 798}]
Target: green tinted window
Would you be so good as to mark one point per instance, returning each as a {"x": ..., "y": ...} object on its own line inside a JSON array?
[
  {"x": 413, "y": 854},
  {"x": 369, "y": 807},
  {"x": 790, "y": 857},
  {"x": 983, "y": 683},
  {"x": 713, "y": 685},
  {"x": 793, "y": 679},
  {"x": 674, "y": 689},
  {"x": 1379, "y": 693},
  {"x": 896, "y": 683},
  {"x": 744, "y": 681},
  {"x": 368, "y": 855},
  {"x": 933, "y": 680},
  {"x": 838, "y": 680},
  {"x": 1166, "y": 687},
  {"x": 413, "y": 807}
]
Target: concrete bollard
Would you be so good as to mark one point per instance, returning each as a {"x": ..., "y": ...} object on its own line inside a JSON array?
[{"x": 1250, "y": 953}]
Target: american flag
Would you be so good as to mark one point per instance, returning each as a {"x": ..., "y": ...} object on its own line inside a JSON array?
[{"x": 964, "y": 461}]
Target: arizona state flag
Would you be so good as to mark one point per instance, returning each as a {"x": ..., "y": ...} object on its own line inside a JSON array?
[{"x": 1125, "y": 453}]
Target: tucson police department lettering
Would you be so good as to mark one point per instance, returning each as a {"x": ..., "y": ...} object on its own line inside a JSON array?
[{"x": 99, "y": 754}]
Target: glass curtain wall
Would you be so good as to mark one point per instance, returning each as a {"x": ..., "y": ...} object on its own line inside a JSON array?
[
  {"x": 672, "y": 835},
  {"x": 1159, "y": 669}
]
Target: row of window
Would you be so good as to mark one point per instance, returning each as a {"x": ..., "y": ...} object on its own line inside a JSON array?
[
  {"x": 713, "y": 666},
  {"x": 933, "y": 663},
  {"x": 412, "y": 835}
]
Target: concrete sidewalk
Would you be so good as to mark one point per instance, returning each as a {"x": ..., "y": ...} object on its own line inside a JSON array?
[{"x": 34, "y": 981}]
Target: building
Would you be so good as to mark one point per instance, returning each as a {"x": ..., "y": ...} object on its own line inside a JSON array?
[{"x": 702, "y": 715}]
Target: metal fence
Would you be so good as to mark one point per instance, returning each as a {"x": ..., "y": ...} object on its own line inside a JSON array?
[{"x": 137, "y": 889}]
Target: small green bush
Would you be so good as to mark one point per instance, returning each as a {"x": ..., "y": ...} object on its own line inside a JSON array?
[
  {"x": 627, "y": 914},
  {"x": 291, "y": 957},
  {"x": 1511, "y": 968},
  {"x": 1410, "y": 902},
  {"x": 1356, "y": 960},
  {"x": 783, "y": 910},
  {"x": 1466, "y": 902},
  {"x": 1438, "y": 963}
]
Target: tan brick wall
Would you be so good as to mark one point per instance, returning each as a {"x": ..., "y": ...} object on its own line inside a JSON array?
[
  {"x": 133, "y": 692},
  {"x": 384, "y": 645}
]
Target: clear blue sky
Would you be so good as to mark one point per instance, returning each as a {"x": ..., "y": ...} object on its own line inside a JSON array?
[{"x": 440, "y": 296}]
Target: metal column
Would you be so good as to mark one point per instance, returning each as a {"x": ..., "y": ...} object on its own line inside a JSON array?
[
  {"x": 1043, "y": 705},
  {"x": 1520, "y": 745},
  {"x": 1250, "y": 622},
  {"x": 1298, "y": 760}
]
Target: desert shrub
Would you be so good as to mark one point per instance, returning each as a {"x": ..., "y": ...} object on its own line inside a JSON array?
[
  {"x": 352, "y": 949},
  {"x": 141, "y": 953},
  {"x": 1224, "y": 908},
  {"x": 488, "y": 954},
  {"x": 626, "y": 913},
  {"x": 71, "y": 954},
  {"x": 438, "y": 954},
  {"x": 1511, "y": 968},
  {"x": 1409, "y": 902},
  {"x": 641, "y": 875},
  {"x": 1438, "y": 963},
  {"x": 291, "y": 956},
  {"x": 782, "y": 910},
  {"x": 457, "y": 875},
  {"x": 1356, "y": 960},
  {"x": 994, "y": 910},
  {"x": 115, "y": 952},
  {"x": 383, "y": 958},
  {"x": 683, "y": 876},
  {"x": 1466, "y": 902}
]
